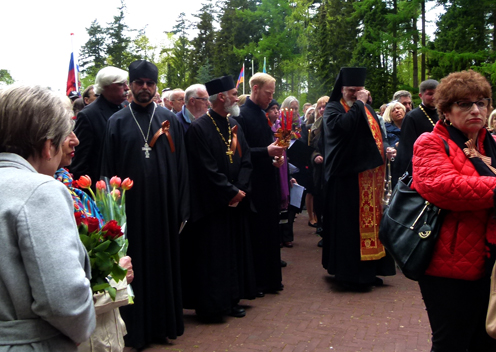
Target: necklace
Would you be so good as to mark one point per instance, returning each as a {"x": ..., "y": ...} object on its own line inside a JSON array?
[
  {"x": 421, "y": 108},
  {"x": 146, "y": 148},
  {"x": 229, "y": 152}
]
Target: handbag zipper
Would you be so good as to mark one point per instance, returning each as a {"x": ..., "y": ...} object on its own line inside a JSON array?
[{"x": 421, "y": 212}]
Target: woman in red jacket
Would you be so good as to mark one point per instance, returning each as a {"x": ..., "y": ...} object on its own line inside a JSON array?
[{"x": 455, "y": 288}]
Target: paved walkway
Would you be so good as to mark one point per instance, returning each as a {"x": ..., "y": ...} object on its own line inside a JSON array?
[{"x": 314, "y": 314}]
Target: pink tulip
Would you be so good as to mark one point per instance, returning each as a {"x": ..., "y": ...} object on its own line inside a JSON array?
[{"x": 101, "y": 185}]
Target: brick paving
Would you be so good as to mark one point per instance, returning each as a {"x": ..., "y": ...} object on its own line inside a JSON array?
[{"x": 315, "y": 314}]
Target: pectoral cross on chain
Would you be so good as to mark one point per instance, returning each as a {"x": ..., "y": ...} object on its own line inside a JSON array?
[
  {"x": 146, "y": 149},
  {"x": 230, "y": 153}
]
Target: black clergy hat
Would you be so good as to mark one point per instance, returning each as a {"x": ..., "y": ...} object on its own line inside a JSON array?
[
  {"x": 348, "y": 77},
  {"x": 143, "y": 69},
  {"x": 220, "y": 85}
]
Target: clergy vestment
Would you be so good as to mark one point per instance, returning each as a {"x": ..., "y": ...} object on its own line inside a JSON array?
[
  {"x": 217, "y": 263},
  {"x": 265, "y": 194},
  {"x": 354, "y": 166},
  {"x": 155, "y": 208},
  {"x": 415, "y": 123}
]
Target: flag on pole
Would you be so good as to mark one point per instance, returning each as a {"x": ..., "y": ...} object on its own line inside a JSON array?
[
  {"x": 264, "y": 68},
  {"x": 73, "y": 82},
  {"x": 241, "y": 77}
]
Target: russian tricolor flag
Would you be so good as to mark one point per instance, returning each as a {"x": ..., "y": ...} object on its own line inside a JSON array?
[{"x": 73, "y": 83}]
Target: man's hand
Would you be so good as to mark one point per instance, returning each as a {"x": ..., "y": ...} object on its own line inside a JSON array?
[
  {"x": 390, "y": 153},
  {"x": 318, "y": 159},
  {"x": 278, "y": 161},
  {"x": 238, "y": 197},
  {"x": 293, "y": 181},
  {"x": 363, "y": 95},
  {"x": 275, "y": 150}
]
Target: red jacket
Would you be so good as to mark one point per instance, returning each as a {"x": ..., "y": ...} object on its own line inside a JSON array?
[{"x": 452, "y": 183}]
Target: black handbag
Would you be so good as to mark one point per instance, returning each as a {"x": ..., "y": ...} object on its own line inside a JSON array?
[{"x": 410, "y": 228}]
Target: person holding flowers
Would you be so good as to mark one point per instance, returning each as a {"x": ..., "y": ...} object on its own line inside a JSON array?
[
  {"x": 145, "y": 142},
  {"x": 110, "y": 329},
  {"x": 46, "y": 303}
]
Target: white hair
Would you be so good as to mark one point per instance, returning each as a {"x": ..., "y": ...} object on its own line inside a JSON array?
[
  {"x": 192, "y": 91},
  {"x": 108, "y": 75}
]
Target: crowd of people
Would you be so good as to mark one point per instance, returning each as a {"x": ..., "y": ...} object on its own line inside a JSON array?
[{"x": 212, "y": 203}]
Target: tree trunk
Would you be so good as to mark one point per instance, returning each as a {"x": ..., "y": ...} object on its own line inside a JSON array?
[
  {"x": 395, "y": 47},
  {"x": 422, "y": 68},
  {"x": 414, "y": 53}
]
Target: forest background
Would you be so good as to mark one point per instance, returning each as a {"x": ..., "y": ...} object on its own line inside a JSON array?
[{"x": 304, "y": 44}]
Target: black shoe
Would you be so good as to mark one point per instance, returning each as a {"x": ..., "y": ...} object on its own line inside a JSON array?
[
  {"x": 312, "y": 225},
  {"x": 237, "y": 312},
  {"x": 210, "y": 318},
  {"x": 321, "y": 243},
  {"x": 319, "y": 231},
  {"x": 378, "y": 282},
  {"x": 283, "y": 264},
  {"x": 260, "y": 294},
  {"x": 280, "y": 288}
]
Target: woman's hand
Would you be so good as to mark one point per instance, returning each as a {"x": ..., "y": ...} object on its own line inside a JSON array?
[
  {"x": 318, "y": 159},
  {"x": 125, "y": 262}
]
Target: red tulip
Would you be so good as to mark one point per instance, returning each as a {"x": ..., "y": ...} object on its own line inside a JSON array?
[
  {"x": 101, "y": 185},
  {"x": 127, "y": 184},
  {"x": 84, "y": 181},
  {"x": 78, "y": 217},
  {"x": 115, "y": 182}
]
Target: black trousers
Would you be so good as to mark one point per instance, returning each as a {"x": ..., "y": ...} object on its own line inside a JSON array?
[{"x": 457, "y": 314}]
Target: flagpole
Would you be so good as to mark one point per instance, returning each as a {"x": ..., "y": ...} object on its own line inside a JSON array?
[
  {"x": 74, "y": 63},
  {"x": 243, "y": 77}
]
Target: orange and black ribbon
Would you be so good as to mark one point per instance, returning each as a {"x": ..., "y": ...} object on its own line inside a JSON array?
[
  {"x": 235, "y": 143},
  {"x": 164, "y": 130},
  {"x": 471, "y": 152}
]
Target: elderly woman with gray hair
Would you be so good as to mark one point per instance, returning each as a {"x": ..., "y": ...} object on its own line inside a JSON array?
[{"x": 46, "y": 302}]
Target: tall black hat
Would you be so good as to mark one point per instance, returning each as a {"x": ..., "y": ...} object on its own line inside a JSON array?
[
  {"x": 143, "y": 69},
  {"x": 348, "y": 76},
  {"x": 219, "y": 85}
]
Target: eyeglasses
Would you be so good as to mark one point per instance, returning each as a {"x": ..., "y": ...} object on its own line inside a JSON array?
[
  {"x": 141, "y": 83},
  {"x": 121, "y": 84},
  {"x": 467, "y": 105},
  {"x": 202, "y": 99}
]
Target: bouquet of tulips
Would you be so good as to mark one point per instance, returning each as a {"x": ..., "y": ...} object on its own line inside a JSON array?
[{"x": 105, "y": 250}]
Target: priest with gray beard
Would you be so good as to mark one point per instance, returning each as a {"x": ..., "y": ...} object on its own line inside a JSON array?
[{"x": 216, "y": 257}]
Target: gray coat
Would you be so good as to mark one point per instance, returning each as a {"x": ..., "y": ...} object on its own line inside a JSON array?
[{"x": 45, "y": 296}]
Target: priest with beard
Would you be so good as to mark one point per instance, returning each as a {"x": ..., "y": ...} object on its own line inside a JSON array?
[
  {"x": 216, "y": 257},
  {"x": 354, "y": 170},
  {"x": 145, "y": 143}
]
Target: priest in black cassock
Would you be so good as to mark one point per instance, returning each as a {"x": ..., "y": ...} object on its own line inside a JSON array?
[
  {"x": 216, "y": 257},
  {"x": 265, "y": 190},
  {"x": 419, "y": 120},
  {"x": 145, "y": 143},
  {"x": 354, "y": 170}
]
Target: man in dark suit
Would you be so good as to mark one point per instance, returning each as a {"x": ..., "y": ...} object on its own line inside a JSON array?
[{"x": 112, "y": 86}]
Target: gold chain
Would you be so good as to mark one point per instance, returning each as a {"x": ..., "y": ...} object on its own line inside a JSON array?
[
  {"x": 421, "y": 108},
  {"x": 229, "y": 152}
]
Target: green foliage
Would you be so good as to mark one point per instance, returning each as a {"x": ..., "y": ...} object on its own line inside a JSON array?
[
  {"x": 305, "y": 44},
  {"x": 6, "y": 77}
]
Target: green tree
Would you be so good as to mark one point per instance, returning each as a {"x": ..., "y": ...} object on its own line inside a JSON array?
[
  {"x": 178, "y": 70},
  {"x": 117, "y": 49},
  {"x": 203, "y": 44},
  {"x": 6, "y": 77},
  {"x": 92, "y": 57},
  {"x": 332, "y": 40}
]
